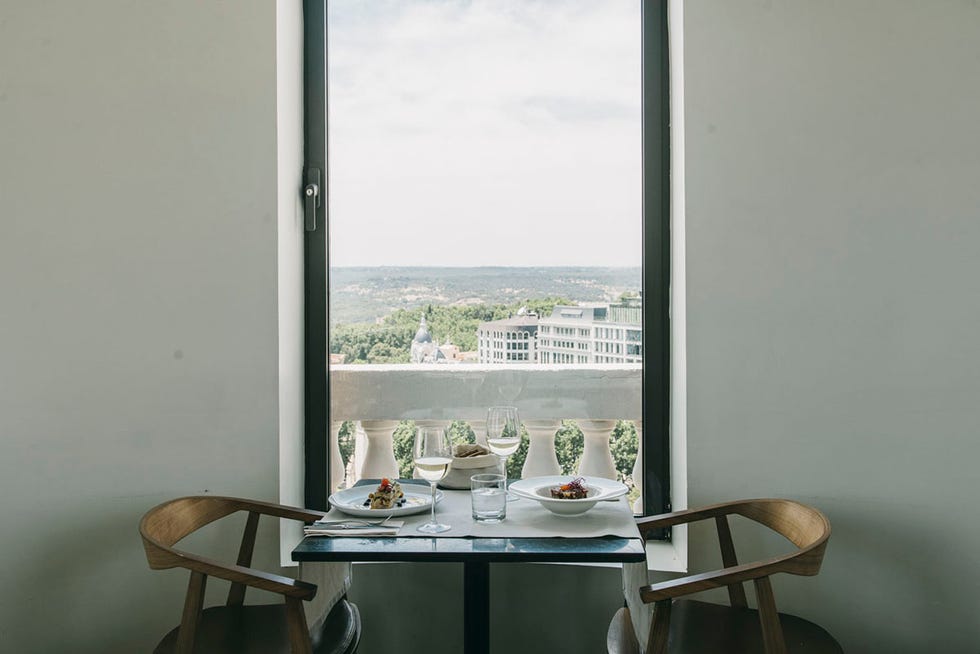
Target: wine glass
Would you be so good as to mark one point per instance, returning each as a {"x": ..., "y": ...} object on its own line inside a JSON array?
[
  {"x": 433, "y": 454},
  {"x": 504, "y": 436}
]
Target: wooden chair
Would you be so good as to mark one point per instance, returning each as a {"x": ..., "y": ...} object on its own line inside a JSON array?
[
  {"x": 692, "y": 627},
  {"x": 237, "y": 628}
]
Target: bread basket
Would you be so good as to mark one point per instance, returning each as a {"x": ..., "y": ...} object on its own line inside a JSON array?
[{"x": 462, "y": 468}]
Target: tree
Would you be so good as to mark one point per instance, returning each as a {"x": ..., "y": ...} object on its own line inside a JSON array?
[
  {"x": 623, "y": 444},
  {"x": 515, "y": 464},
  {"x": 628, "y": 295},
  {"x": 569, "y": 444},
  {"x": 404, "y": 446},
  {"x": 345, "y": 440}
]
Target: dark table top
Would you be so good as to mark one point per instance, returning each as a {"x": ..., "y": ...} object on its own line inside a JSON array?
[
  {"x": 606, "y": 549},
  {"x": 488, "y": 550}
]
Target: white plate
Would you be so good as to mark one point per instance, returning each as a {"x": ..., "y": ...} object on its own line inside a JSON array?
[
  {"x": 539, "y": 488},
  {"x": 351, "y": 501}
]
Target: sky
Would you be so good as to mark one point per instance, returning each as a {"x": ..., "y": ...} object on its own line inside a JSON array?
[{"x": 484, "y": 133}]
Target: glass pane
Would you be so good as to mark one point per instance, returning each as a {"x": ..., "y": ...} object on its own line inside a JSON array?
[{"x": 484, "y": 193}]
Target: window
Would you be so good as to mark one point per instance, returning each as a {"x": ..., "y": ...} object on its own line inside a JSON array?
[{"x": 655, "y": 267}]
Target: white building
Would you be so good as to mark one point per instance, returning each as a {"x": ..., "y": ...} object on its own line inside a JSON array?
[
  {"x": 592, "y": 334},
  {"x": 426, "y": 350},
  {"x": 512, "y": 340}
]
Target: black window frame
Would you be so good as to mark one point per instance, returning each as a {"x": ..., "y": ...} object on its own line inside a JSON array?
[{"x": 655, "y": 265}]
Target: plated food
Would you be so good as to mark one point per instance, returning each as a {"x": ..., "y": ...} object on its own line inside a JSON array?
[
  {"x": 566, "y": 495},
  {"x": 573, "y": 490},
  {"x": 406, "y": 498},
  {"x": 388, "y": 495}
]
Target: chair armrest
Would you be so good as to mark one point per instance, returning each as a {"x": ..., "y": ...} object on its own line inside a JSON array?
[
  {"x": 280, "y": 510},
  {"x": 248, "y": 576},
  {"x": 646, "y": 525},
  {"x": 707, "y": 580}
]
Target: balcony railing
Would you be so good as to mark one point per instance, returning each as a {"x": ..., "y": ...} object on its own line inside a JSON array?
[{"x": 378, "y": 397}]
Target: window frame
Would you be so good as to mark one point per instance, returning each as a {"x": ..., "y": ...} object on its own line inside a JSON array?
[{"x": 656, "y": 260}]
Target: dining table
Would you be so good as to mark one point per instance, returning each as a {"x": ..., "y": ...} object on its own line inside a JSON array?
[{"x": 529, "y": 534}]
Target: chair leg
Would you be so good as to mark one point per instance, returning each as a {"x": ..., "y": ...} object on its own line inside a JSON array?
[
  {"x": 772, "y": 631},
  {"x": 299, "y": 633},
  {"x": 192, "y": 612},
  {"x": 659, "y": 628},
  {"x": 236, "y": 594}
]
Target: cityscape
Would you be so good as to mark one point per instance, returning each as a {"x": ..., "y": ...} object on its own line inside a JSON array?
[{"x": 486, "y": 316}]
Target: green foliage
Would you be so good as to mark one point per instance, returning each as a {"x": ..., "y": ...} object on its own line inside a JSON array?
[
  {"x": 391, "y": 341},
  {"x": 345, "y": 441},
  {"x": 569, "y": 443},
  {"x": 623, "y": 444},
  {"x": 372, "y": 343},
  {"x": 404, "y": 446},
  {"x": 516, "y": 461},
  {"x": 461, "y": 433}
]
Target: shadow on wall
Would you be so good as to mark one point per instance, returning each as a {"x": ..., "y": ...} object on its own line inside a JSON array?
[
  {"x": 867, "y": 556},
  {"x": 78, "y": 564}
]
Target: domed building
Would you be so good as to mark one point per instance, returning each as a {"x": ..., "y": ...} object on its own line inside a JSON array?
[{"x": 424, "y": 349}]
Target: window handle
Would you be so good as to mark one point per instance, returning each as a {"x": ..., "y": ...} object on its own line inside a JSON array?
[{"x": 311, "y": 197}]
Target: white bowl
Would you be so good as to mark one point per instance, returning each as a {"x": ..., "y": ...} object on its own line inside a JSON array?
[{"x": 539, "y": 489}]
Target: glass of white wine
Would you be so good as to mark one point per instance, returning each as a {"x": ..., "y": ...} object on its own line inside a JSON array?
[
  {"x": 504, "y": 436},
  {"x": 433, "y": 454}
]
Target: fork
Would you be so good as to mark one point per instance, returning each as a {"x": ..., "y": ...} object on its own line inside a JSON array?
[{"x": 350, "y": 523}]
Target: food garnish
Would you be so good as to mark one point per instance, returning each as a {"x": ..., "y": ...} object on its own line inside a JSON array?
[{"x": 573, "y": 490}]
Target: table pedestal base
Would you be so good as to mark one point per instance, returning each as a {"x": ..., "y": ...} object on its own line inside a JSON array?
[{"x": 476, "y": 608}]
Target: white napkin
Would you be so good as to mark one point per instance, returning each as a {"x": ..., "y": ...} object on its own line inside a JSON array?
[{"x": 389, "y": 528}]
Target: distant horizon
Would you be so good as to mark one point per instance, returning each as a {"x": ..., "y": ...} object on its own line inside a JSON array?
[{"x": 366, "y": 293}]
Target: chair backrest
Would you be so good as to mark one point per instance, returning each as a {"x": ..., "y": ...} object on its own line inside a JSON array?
[
  {"x": 804, "y": 526},
  {"x": 166, "y": 524}
]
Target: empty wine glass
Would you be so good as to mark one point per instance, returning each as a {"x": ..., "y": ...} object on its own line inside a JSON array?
[
  {"x": 504, "y": 435},
  {"x": 433, "y": 454}
]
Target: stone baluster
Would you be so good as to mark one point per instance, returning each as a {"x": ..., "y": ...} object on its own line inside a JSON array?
[
  {"x": 336, "y": 460},
  {"x": 638, "y": 467},
  {"x": 357, "y": 460},
  {"x": 541, "y": 458},
  {"x": 597, "y": 460},
  {"x": 378, "y": 459}
]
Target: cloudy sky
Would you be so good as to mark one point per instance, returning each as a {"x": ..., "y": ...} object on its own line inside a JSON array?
[{"x": 489, "y": 132}]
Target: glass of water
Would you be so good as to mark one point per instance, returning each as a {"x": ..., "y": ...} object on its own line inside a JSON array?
[{"x": 489, "y": 495}]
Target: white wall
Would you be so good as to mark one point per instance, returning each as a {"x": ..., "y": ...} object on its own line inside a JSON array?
[
  {"x": 139, "y": 348},
  {"x": 831, "y": 185},
  {"x": 832, "y": 236}
]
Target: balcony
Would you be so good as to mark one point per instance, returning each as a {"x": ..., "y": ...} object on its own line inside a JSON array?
[{"x": 379, "y": 397}]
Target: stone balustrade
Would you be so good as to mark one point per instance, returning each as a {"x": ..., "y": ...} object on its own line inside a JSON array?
[{"x": 378, "y": 397}]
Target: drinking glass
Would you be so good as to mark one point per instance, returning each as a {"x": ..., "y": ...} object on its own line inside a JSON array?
[
  {"x": 488, "y": 494},
  {"x": 433, "y": 454},
  {"x": 504, "y": 436}
]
